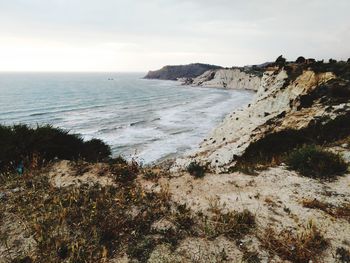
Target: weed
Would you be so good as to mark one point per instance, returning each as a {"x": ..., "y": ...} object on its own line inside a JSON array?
[
  {"x": 124, "y": 172},
  {"x": 343, "y": 255},
  {"x": 245, "y": 168},
  {"x": 300, "y": 248},
  {"x": 315, "y": 204},
  {"x": 150, "y": 175},
  {"x": 141, "y": 249},
  {"x": 251, "y": 257},
  {"x": 234, "y": 225},
  {"x": 88, "y": 223},
  {"x": 195, "y": 169},
  {"x": 342, "y": 211},
  {"x": 184, "y": 218},
  {"x": 312, "y": 161}
]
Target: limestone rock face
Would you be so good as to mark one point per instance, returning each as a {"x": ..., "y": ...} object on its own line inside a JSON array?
[
  {"x": 278, "y": 106},
  {"x": 229, "y": 79}
]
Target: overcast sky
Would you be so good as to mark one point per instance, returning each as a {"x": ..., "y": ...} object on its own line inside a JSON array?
[{"x": 137, "y": 35}]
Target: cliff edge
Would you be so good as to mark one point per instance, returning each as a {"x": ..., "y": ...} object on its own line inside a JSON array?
[
  {"x": 234, "y": 78},
  {"x": 296, "y": 103}
]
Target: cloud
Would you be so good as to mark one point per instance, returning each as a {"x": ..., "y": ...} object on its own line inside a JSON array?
[{"x": 139, "y": 35}]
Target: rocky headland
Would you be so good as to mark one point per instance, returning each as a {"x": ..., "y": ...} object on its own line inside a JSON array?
[{"x": 180, "y": 71}]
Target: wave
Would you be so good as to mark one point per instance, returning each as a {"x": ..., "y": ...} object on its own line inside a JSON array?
[
  {"x": 137, "y": 123},
  {"x": 145, "y": 119}
]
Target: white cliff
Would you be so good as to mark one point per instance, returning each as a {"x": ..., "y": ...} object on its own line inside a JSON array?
[
  {"x": 275, "y": 108},
  {"x": 228, "y": 78}
]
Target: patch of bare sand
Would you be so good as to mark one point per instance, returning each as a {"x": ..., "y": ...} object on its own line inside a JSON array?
[
  {"x": 66, "y": 173},
  {"x": 275, "y": 197}
]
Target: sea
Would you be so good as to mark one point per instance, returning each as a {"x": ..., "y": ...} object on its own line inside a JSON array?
[{"x": 148, "y": 120}]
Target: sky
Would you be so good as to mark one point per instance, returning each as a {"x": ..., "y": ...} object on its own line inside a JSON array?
[{"x": 139, "y": 35}]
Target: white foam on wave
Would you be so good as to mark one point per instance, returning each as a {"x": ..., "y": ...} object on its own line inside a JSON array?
[
  {"x": 144, "y": 119},
  {"x": 195, "y": 119}
]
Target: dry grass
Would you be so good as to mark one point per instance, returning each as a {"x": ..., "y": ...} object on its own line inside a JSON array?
[
  {"x": 342, "y": 211},
  {"x": 251, "y": 257},
  {"x": 233, "y": 225},
  {"x": 308, "y": 245},
  {"x": 89, "y": 223}
]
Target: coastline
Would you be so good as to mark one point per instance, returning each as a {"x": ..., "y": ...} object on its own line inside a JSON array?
[{"x": 270, "y": 183}]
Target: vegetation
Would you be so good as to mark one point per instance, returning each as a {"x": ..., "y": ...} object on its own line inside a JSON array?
[
  {"x": 323, "y": 132},
  {"x": 234, "y": 225},
  {"x": 85, "y": 223},
  {"x": 195, "y": 169},
  {"x": 150, "y": 175},
  {"x": 342, "y": 211},
  {"x": 21, "y": 143},
  {"x": 251, "y": 257},
  {"x": 300, "y": 60},
  {"x": 280, "y": 61},
  {"x": 313, "y": 161},
  {"x": 343, "y": 255},
  {"x": 307, "y": 246}
]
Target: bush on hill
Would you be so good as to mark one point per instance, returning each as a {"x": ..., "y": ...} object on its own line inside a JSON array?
[
  {"x": 312, "y": 161},
  {"x": 195, "y": 169},
  {"x": 280, "y": 61},
  {"x": 21, "y": 143}
]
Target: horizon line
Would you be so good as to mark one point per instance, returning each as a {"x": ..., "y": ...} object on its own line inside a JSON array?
[{"x": 58, "y": 71}]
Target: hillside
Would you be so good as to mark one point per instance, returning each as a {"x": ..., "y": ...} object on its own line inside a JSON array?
[
  {"x": 294, "y": 103},
  {"x": 180, "y": 71}
]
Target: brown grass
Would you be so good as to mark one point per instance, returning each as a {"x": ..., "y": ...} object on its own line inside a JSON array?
[
  {"x": 308, "y": 245},
  {"x": 234, "y": 225},
  {"x": 342, "y": 211},
  {"x": 89, "y": 223}
]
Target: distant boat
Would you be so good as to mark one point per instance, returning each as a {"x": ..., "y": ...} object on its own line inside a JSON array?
[{"x": 110, "y": 79}]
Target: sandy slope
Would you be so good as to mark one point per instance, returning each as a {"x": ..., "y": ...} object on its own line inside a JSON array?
[{"x": 274, "y": 196}]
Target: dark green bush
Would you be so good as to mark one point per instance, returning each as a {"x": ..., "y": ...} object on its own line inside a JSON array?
[
  {"x": 23, "y": 143},
  {"x": 280, "y": 61},
  {"x": 95, "y": 150},
  {"x": 195, "y": 169},
  {"x": 312, "y": 161},
  {"x": 117, "y": 160},
  {"x": 300, "y": 60},
  {"x": 125, "y": 173}
]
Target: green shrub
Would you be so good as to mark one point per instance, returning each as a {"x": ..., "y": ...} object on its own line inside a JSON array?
[
  {"x": 150, "y": 175},
  {"x": 95, "y": 150},
  {"x": 343, "y": 255},
  {"x": 125, "y": 173},
  {"x": 23, "y": 143},
  {"x": 117, "y": 160},
  {"x": 195, "y": 169},
  {"x": 280, "y": 61},
  {"x": 312, "y": 161}
]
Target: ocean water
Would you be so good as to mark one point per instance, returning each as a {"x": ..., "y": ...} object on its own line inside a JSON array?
[{"x": 144, "y": 119}]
